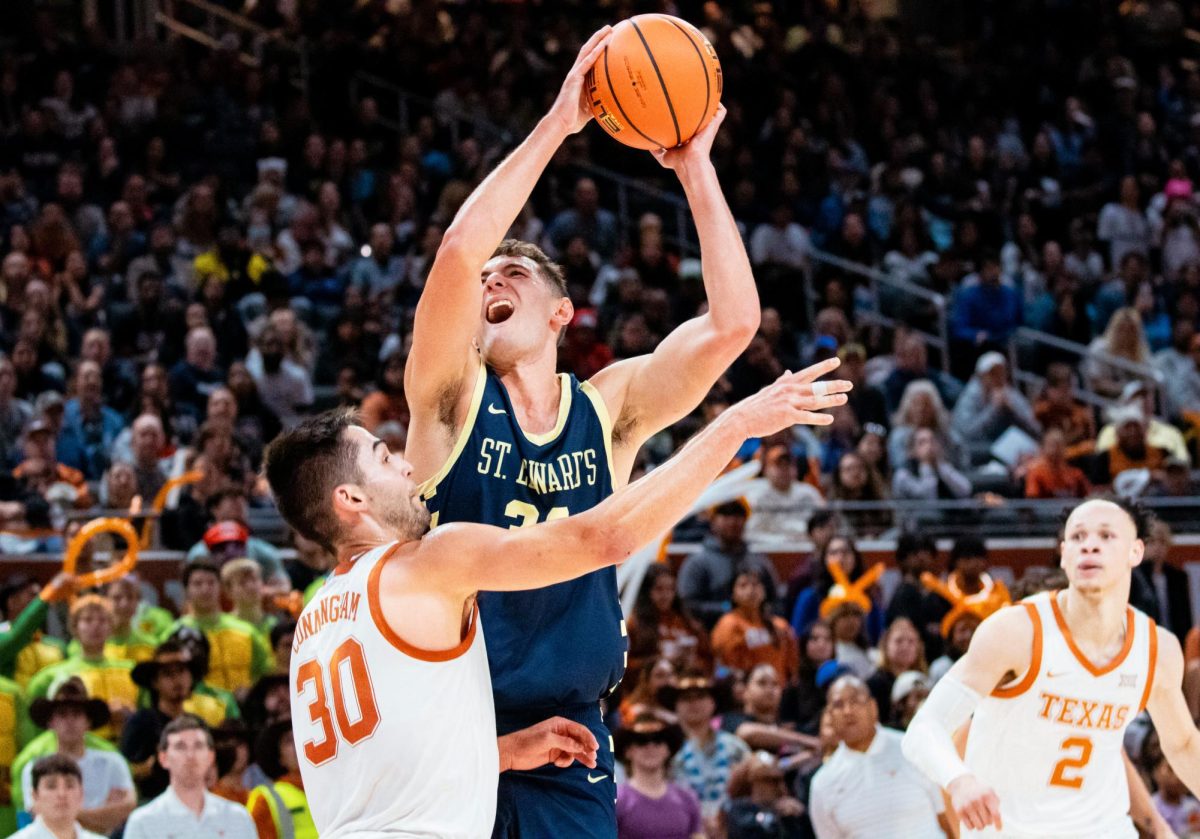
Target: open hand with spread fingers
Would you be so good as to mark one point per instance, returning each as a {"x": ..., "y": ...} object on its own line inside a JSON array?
[
  {"x": 555, "y": 740},
  {"x": 793, "y": 399}
]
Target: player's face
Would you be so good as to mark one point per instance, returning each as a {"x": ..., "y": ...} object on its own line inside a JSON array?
[
  {"x": 1100, "y": 547},
  {"x": 519, "y": 309},
  {"x": 391, "y": 493}
]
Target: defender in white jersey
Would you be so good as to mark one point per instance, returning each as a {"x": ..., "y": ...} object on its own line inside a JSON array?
[
  {"x": 1052, "y": 683},
  {"x": 391, "y": 696}
]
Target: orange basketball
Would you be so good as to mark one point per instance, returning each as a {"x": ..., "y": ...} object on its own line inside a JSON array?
[{"x": 656, "y": 84}]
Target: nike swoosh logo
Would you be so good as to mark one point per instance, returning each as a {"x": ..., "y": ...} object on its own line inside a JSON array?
[
  {"x": 596, "y": 779},
  {"x": 492, "y": 409},
  {"x": 1050, "y": 675}
]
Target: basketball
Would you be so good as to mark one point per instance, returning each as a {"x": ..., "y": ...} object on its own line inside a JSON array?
[{"x": 657, "y": 83}]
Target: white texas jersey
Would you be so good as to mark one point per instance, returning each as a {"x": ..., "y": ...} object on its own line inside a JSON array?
[
  {"x": 392, "y": 741},
  {"x": 1049, "y": 744}
]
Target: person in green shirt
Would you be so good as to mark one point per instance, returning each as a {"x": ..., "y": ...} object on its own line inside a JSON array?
[
  {"x": 108, "y": 679},
  {"x": 24, "y": 649},
  {"x": 239, "y": 654},
  {"x": 16, "y": 730},
  {"x": 71, "y": 718},
  {"x": 243, "y": 583}
]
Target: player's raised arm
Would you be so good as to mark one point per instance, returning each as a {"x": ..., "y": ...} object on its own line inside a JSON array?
[
  {"x": 447, "y": 314},
  {"x": 1169, "y": 712},
  {"x": 649, "y": 393},
  {"x": 1001, "y": 649},
  {"x": 469, "y": 557}
]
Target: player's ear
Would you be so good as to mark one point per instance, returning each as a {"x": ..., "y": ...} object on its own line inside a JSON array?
[
  {"x": 1137, "y": 553},
  {"x": 564, "y": 312},
  {"x": 348, "y": 500}
]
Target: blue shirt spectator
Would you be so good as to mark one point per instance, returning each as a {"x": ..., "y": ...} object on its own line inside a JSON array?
[
  {"x": 90, "y": 427},
  {"x": 989, "y": 312}
]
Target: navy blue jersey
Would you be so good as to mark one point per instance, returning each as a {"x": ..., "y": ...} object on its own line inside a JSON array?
[{"x": 564, "y": 644}]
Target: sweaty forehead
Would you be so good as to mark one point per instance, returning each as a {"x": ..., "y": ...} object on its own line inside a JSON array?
[{"x": 501, "y": 263}]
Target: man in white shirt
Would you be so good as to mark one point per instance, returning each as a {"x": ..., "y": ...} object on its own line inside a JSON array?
[
  {"x": 780, "y": 241},
  {"x": 780, "y": 503},
  {"x": 868, "y": 788},
  {"x": 187, "y": 810},
  {"x": 58, "y": 798}
]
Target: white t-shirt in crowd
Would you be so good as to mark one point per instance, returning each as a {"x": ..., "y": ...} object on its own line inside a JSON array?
[{"x": 102, "y": 771}]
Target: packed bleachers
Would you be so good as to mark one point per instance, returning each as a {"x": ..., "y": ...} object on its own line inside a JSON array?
[{"x": 204, "y": 239}]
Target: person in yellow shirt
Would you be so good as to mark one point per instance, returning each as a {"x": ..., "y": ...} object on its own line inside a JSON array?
[
  {"x": 16, "y": 730},
  {"x": 109, "y": 679},
  {"x": 239, "y": 655}
]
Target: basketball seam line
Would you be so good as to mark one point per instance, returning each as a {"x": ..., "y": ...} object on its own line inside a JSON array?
[
  {"x": 617, "y": 102},
  {"x": 704, "y": 68},
  {"x": 661, "y": 83}
]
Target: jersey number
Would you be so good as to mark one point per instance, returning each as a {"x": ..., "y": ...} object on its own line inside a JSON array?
[
  {"x": 528, "y": 514},
  {"x": 348, "y": 663},
  {"x": 1072, "y": 762}
]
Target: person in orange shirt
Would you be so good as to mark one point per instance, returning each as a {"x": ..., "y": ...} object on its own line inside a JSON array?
[
  {"x": 1058, "y": 408},
  {"x": 388, "y": 403},
  {"x": 1050, "y": 475},
  {"x": 662, "y": 626},
  {"x": 750, "y": 635}
]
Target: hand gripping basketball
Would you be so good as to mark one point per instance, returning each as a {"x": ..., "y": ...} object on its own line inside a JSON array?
[{"x": 91, "y": 530}]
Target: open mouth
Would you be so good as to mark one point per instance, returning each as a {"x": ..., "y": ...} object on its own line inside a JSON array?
[
  {"x": 1090, "y": 566},
  {"x": 499, "y": 311}
]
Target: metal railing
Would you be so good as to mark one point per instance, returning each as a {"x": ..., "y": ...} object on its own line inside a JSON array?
[
  {"x": 216, "y": 27},
  {"x": 1024, "y": 336},
  {"x": 879, "y": 281}
]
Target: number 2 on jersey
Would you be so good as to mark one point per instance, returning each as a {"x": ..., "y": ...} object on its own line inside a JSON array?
[
  {"x": 528, "y": 514},
  {"x": 1072, "y": 762},
  {"x": 348, "y": 656}
]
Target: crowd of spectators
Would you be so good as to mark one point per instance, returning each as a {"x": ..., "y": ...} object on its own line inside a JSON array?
[{"x": 195, "y": 252}]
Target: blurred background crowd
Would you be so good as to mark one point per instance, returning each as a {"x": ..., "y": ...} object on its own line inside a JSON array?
[{"x": 988, "y": 211}]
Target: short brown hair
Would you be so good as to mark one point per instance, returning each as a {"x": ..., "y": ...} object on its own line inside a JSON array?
[
  {"x": 551, "y": 271},
  {"x": 55, "y": 764},
  {"x": 304, "y": 465},
  {"x": 184, "y": 722}
]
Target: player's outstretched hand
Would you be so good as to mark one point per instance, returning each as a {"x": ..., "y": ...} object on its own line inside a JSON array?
[
  {"x": 571, "y": 108},
  {"x": 975, "y": 802},
  {"x": 695, "y": 150},
  {"x": 794, "y": 399},
  {"x": 556, "y": 740}
]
